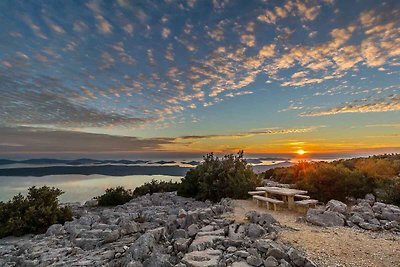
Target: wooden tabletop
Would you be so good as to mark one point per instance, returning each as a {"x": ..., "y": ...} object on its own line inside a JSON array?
[{"x": 281, "y": 191}]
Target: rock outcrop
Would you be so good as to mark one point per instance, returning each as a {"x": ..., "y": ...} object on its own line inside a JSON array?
[
  {"x": 155, "y": 230},
  {"x": 325, "y": 218},
  {"x": 367, "y": 214}
]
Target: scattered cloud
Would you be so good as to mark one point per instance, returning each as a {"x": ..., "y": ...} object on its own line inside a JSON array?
[
  {"x": 266, "y": 131},
  {"x": 44, "y": 140},
  {"x": 248, "y": 39},
  {"x": 395, "y": 125},
  {"x": 391, "y": 103}
]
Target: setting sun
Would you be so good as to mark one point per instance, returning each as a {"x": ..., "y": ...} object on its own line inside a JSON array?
[{"x": 300, "y": 152}]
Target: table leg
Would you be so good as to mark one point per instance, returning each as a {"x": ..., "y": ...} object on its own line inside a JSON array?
[
  {"x": 290, "y": 202},
  {"x": 285, "y": 200}
]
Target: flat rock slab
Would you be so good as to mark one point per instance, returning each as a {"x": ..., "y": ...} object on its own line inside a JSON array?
[
  {"x": 205, "y": 258},
  {"x": 204, "y": 242}
]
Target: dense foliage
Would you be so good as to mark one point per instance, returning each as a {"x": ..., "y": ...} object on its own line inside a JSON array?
[
  {"x": 115, "y": 196},
  {"x": 216, "y": 178},
  {"x": 343, "y": 178},
  {"x": 33, "y": 213},
  {"x": 119, "y": 195},
  {"x": 155, "y": 186}
]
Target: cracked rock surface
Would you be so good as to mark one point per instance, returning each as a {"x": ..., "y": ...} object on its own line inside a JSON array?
[{"x": 162, "y": 229}]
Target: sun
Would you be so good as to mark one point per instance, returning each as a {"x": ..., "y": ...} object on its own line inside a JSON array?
[{"x": 300, "y": 152}]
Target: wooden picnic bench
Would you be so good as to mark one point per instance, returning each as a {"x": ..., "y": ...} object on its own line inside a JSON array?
[
  {"x": 287, "y": 194},
  {"x": 252, "y": 193},
  {"x": 302, "y": 196},
  {"x": 268, "y": 201}
]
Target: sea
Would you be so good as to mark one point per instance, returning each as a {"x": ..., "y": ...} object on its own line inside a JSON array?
[{"x": 79, "y": 188}]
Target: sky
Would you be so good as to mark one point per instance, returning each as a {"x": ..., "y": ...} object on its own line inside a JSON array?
[{"x": 170, "y": 77}]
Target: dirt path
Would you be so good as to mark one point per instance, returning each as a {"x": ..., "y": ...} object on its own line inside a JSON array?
[{"x": 332, "y": 247}]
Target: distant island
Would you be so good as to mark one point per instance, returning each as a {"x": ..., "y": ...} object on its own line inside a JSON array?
[
  {"x": 86, "y": 166},
  {"x": 82, "y": 161},
  {"x": 111, "y": 170}
]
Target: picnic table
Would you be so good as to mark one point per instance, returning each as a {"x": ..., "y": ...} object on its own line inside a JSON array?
[{"x": 287, "y": 194}]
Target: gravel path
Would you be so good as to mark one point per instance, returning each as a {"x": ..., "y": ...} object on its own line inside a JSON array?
[{"x": 332, "y": 247}]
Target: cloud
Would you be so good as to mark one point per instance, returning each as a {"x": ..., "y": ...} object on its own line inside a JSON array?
[
  {"x": 306, "y": 10},
  {"x": 165, "y": 32},
  {"x": 218, "y": 33},
  {"x": 42, "y": 140},
  {"x": 239, "y": 93},
  {"x": 27, "y": 100},
  {"x": 267, "y": 51},
  {"x": 103, "y": 25},
  {"x": 128, "y": 28},
  {"x": 52, "y": 109},
  {"x": 395, "y": 125},
  {"x": 391, "y": 103},
  {"x": 268, "y": 17},
  {"x": 267, "y": 131},
  {"x": 248, "y": 39}
]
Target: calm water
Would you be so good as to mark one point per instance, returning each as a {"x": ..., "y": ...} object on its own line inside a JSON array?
[{"x": 76, "y": 187}]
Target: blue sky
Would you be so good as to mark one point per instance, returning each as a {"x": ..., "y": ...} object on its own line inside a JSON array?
[{"x": 199, "y": 76}]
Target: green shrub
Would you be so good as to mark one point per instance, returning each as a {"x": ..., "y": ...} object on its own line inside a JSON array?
[
  {"x": 217, "y": 178},
  {"x": 342, "y": 178},
  {"x": 115, "y": 196},
  {"x": 119, "y": 195},
  {"x": 389, "y": 190},
  {"x": 33, "y": 213},
  {"x": 155, "y": 186}
]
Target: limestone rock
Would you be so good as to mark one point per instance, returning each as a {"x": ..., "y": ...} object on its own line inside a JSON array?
[
  {"x": 111, "y": 236},
  {"x": 254, "y": 260},
  {"x": 192, "y": 230},
  {"x": 236, "y": 231},
  {"x": 205, "y": 258},
  {"x": 204, "y": 242},
  {"x": 370, "y": 198},
  {"x": 263, "y": 219},
  {"x": 181, "y": 244},
  {"x": 158, "y": 260},
  {"x": 255, "y": 230},
  {"x": 180, "y": 233},
  {"x": 324, "y": 218},
  {"x": 271, "y": 262},
  {"x": 55, "y": 229},
  {"x": 240, "y": 264},
  {"x": 336, "y": 206},
  {"x": 92, "y": 203},
  {"x": 142, "y": 247}
]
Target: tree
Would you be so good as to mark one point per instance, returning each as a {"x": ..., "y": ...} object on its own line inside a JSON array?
[{"x": 217, "y": 178}]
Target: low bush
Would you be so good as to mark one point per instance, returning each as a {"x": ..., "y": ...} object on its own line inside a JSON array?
[
  {"x": 119, "y": 195},
  {"x": 33, "y": 213},
  {"x": 389, "y": 191},
  {"x": 155, "y": 186},
  {"x": 216, "y": 178},
  {"x": 115, "y": 196},
  {"x": 344, "y": 178}
]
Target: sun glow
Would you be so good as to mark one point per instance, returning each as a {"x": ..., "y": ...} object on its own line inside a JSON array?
[{"x": 300, "y": 152}]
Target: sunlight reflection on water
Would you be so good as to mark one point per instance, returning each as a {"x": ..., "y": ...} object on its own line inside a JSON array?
[{"x": 77, "y": 188}]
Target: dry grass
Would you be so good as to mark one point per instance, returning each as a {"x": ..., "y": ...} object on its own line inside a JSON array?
[{"x": 339, "y": 246}]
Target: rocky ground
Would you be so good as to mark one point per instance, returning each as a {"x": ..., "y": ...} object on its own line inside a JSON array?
[
  {"x": 367, "y": 214},
  {"x": 332, "y": 246},
  {"x": 157, "y": 230}
]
